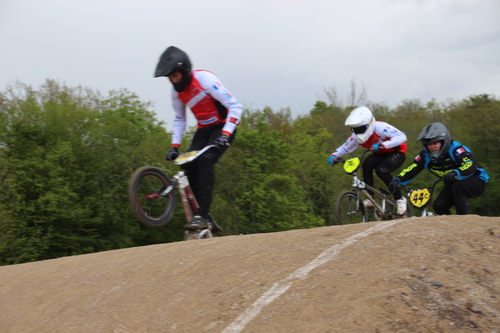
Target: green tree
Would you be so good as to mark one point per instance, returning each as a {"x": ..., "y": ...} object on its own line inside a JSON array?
[
  {"x": 66, "y": 155},
  {"x": 70, "y": 153},
  {"x": 475, "y": 122},
  {"x": 256, "y": 188}
]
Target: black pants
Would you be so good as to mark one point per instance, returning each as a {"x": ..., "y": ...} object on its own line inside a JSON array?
[
  {"x": 458, "y": 194},
  {"x": 201, "y": 172},
  {"x": 383, "y": 164}
]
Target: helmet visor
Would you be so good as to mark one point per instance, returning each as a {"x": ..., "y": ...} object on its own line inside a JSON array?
[
  {"x": 432, "y": 140},
  {"x": 359, "y": 129}
]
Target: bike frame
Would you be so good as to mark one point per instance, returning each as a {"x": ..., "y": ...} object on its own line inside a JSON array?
[
  {"x": 189, "y": 203},
  {"x": 187, "y": 197},
  {"x": 360, "y": 186}
]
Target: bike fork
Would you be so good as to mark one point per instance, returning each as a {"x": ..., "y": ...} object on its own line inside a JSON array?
[{"x": 187, "y": 197}]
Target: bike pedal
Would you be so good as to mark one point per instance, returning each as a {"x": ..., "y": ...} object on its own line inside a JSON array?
[{"x": 215, "y": 227}]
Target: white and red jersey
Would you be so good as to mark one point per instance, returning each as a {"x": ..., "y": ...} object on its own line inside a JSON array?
[
  {"x": 210, "y": 102},
  {"x": 388, "y": 136}
]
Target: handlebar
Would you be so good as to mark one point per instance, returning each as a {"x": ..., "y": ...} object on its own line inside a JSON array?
[
  {"x": 432, "y": 186},
  {"x": 404, "y": 187},
  {"x": 361, "y": 157}
]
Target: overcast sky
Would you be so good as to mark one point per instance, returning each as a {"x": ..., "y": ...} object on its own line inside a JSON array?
[{"x": 276, "y": 53}]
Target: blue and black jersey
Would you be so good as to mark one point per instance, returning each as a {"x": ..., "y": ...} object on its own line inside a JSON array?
[{"x": 458, "y": 159}]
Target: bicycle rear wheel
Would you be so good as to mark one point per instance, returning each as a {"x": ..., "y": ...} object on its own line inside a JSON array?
[
  {"x": 349, "y": 208},
  {"x": 144, "y": 194}
]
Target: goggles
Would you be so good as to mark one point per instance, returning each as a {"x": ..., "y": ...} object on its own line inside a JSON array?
[{"x": 359, "y": 129}]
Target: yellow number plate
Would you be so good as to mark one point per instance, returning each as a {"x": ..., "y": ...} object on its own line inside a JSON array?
[
  {"x": 185, "y": 156},
  {"x": 351, "y": 164},
  {"x": 420, "y": 197}
]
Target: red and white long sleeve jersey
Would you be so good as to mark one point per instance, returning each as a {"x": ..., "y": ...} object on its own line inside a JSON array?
[
  {"x": 210, "y": 102},
  {"x": 385, "y": 134}
]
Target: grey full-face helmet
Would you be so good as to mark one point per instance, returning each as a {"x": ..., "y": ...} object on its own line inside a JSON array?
[
  {"x": 173, "y": 60},
  {"x": 432, "y": 133}
]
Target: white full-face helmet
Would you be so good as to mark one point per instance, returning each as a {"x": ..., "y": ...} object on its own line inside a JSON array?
[{"x": 362, "y": 123}]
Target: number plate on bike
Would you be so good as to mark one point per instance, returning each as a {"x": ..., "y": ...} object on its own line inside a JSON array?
[
  {"x": 186, "y": 157},
  {"x": 419, "y": 197},
  {"x": 351, "y": 164}
]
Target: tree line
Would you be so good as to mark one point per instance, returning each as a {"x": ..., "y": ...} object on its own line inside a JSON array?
[{"x": 66, "y": 155}]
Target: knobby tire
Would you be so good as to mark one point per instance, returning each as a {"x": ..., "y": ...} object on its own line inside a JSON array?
[
  {"x": 144, "y": 189},
  {"x": 349, "y": 208}
]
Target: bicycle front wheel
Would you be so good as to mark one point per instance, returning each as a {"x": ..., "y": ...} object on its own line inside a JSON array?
[
  {"x": 349, "y": 208},
  {"x": 145, "y": 190}
]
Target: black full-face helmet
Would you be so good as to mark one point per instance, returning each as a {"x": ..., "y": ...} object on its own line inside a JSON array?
[
  {"x": 432, "y": 133},
  {"x": 171, "y": 61}
]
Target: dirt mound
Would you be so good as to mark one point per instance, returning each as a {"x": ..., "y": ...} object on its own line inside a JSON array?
[{"x": 434, "y": 274}]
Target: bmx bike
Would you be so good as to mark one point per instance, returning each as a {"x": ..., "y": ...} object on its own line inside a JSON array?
[
  {"x": 152, "y": 197},
  {"x": 349, "y": 207}
]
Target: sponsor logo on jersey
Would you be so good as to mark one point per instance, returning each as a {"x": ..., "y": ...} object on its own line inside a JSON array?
[{"x": 208, "y": 121}]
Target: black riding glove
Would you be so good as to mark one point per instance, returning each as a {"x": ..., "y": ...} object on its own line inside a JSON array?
[
  {"x": 222, "y": 141},
  {"x": 393, "y": 185},
  {"x": 450, "y": 177},
  {"x": 172, "y": 154}
]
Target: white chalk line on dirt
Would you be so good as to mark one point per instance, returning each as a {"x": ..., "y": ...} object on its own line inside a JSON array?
[{"x": 280, "y": 287}]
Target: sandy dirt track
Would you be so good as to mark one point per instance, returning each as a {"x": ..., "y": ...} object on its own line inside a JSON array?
[{"x": 433, "y": 274}]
